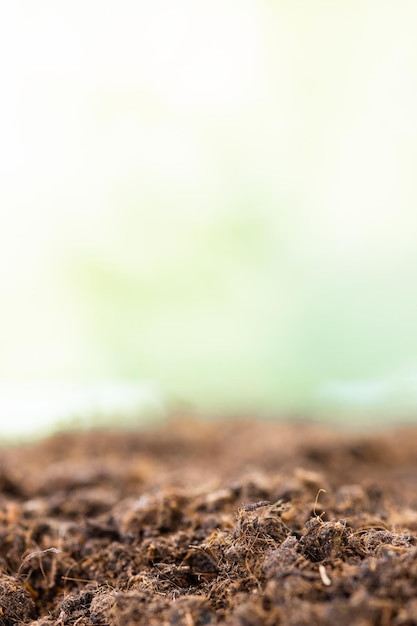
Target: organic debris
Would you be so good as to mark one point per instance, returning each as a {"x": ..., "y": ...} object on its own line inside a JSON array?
[{"x": 240, "y": 523}]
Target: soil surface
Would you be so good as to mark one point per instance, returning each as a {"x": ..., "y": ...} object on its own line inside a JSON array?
[{"x": 240, "y": 523}]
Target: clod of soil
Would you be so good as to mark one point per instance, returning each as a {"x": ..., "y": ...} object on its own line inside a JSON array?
[{"x": 240, "y": 523}]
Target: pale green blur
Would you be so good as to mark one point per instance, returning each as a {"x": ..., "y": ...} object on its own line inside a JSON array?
[{"x": 218, "y": 198}]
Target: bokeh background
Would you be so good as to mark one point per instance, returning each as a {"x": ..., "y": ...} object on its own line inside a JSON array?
[{"x": 209, "y": 206}]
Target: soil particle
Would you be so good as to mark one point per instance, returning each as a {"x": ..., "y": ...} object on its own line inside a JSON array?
[
  {"x": 241, "y": 523},
  {"x": 16, "y": 603}
]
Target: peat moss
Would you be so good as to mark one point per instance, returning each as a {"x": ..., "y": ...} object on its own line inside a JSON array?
[{"x": 236, "y": 523}]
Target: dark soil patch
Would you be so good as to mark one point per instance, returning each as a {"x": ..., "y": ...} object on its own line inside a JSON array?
[{"x": 210, "y": 523}]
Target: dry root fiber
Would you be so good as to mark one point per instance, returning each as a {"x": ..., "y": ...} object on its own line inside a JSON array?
[{"x": 239, "y": 523}]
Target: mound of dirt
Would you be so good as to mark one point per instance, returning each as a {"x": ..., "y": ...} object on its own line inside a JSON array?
[{"x": 241, "y": 523}]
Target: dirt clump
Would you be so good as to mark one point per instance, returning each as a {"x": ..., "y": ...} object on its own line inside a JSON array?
[{"x": 241, "y": 523}]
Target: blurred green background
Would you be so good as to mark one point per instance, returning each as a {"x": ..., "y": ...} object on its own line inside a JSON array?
[{"x": 208, "y": 205}]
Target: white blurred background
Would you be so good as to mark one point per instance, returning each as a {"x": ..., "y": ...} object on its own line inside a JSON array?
[{"x": 209, "y": 205}]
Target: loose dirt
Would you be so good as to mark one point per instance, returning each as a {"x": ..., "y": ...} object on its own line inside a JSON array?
[{"x": 241, "y": 523}]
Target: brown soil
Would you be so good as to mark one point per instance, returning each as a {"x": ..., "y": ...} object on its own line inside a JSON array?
[{"x": 210, "y": 523}]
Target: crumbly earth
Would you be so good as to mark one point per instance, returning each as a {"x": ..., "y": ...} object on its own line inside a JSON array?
[{"x": 241, "y": 523}]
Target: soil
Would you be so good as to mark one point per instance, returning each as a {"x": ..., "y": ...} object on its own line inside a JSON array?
[{"x": 241, "y": 523}]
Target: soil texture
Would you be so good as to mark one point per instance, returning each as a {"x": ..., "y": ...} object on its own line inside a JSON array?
[{"x": 241, "y": 523}]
